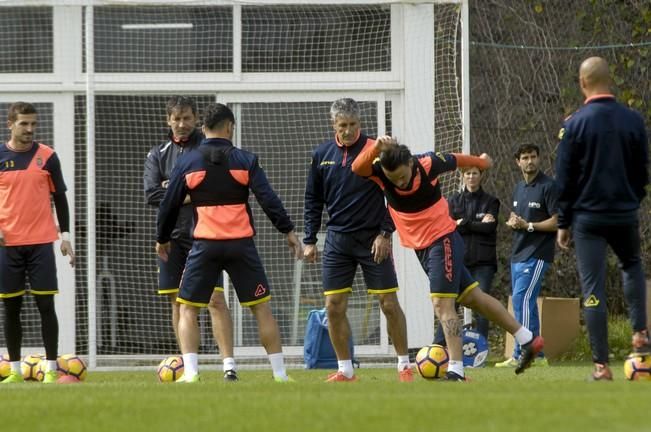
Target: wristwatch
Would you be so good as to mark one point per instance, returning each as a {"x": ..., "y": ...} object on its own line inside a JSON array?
[
  {"x": 385, "y": 234},
  {"x": 530, "y": 227}
]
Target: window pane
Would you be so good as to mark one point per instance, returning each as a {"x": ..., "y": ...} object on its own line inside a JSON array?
[
  {"x": 163, "y": 39},
  {"x": 26, "y": 35},
  {"x": 127, "y": 127},
  {"x": 284, "y": 135},
  {"x": 316, "y": 38}
]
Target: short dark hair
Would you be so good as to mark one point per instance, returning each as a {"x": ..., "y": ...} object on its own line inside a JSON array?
[
  {"x": 179, "y": 103},
  {"x": 395, "y": 157},
  {"x": 526, "y": 148},
  {"x": 216, "y": 115},
  {"x": 20, "y": 108}
]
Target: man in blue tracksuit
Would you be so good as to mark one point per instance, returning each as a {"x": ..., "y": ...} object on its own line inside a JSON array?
[
  {"x": 359, "y": 233},
  {"x": 601, "y": 172},
  {"x": 533, "y": 221}
]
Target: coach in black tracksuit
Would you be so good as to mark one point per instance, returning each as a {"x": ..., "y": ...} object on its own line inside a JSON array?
[
  {"x": 476, "y": 212},
  {"x": 601, "y": 172}
]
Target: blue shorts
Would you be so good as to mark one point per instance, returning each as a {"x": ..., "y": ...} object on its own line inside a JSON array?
[
  {"x": 207, "y": 260},
  {"x": 170, "y": 271},
  {"x": 443, "y": 263},
  {"x": 35, "y": 261},
  {"x": 341, "y": 255}
]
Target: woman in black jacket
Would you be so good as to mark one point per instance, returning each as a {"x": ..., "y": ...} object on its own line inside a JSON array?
[{"x": 476, "y": 214}]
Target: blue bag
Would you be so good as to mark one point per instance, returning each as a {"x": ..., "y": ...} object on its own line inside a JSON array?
[
  {"x": 318, "y": 351},
  {"x": 475, "y": 349}
]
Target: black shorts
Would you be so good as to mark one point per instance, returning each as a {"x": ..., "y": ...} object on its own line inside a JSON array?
[
  {"x": 239, "y": 258},
  {"x": 343, "y": 252},
  {"x": 443, "y": 263},
  {"x": 35, "y": 261},
  {"x": 170, "y": 271}
]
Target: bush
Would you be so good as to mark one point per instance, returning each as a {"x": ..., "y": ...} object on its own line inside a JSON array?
[{"x": 619, "y": 341}]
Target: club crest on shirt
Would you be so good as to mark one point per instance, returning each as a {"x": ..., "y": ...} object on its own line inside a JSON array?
[{"x": 39, "y": 162}]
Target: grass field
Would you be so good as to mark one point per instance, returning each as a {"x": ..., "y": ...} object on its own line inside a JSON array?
[{"x": 557, "y": 398}]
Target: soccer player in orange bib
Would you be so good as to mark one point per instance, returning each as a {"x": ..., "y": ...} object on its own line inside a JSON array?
[
  {"x": 422, "y": 218},
  {"x": 218, "y": 177},
  {"x": 30, "y": 174}
]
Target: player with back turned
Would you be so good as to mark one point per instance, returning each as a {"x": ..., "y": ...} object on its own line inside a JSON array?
[
  {"x": 601, "y": 172},
  {"x": 218, "y": 177},
  {"x": 184, "y": 136}
]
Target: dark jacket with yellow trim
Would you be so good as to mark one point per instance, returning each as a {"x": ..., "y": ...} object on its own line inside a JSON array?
[
  {"x": 353, "y": 203},
  {"x": 601, "y": 162},
  {"x": 236, "y": 160}
]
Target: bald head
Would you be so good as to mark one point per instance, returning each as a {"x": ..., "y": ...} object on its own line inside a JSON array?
[{"x": 594, "y": 76}]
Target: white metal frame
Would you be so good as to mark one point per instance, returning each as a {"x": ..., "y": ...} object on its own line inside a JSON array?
[{"x": 411, "y": 97}]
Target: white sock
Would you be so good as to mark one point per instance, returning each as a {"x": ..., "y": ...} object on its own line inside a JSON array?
[
  {"x": 346, "y": 368},
  {"x": 277, "y": 361},
  {"x": 15, "y": 367},
  {"x": 523, "y": 335},
  {"x": 403, "y": 362},
  {"x": 190, "y": 364},
  {"x": 456, "y": 366},
  {"x": 229, "y": 363},
  {"x": 51, "y": 365}
]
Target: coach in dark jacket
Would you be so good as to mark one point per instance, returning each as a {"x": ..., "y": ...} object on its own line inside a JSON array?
[{"x": 601, "y": 173}]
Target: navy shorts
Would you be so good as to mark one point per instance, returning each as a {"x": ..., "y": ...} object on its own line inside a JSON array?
[
  {"x": 206, "y": 261},
  {"x": 343, "y": 252},
  {"x": 443, "y": 263},
  {"x": 170, "y": 271},
  {"x": 35, "y": 261}
]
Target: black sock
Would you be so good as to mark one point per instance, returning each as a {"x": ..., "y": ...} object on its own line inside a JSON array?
[
  {"x": 49, "y": 325},
  {"x": 13, "y": 327}
]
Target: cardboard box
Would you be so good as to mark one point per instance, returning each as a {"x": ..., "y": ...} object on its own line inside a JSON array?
[{"x": 559, "y": 325}]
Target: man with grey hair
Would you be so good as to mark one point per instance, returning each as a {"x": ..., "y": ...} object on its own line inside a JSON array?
[{"x": 359, "y": 231}]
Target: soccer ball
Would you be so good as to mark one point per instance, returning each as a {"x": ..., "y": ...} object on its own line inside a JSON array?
[
  {"x": 30, "y": 367},
  {"x": 638, "y": 367},
  {"x": 5, "y": 367},
  {"x": 75, "y": 366},
  {"x": 170, "y": 369},
  {"x": 432, "y": 361}
]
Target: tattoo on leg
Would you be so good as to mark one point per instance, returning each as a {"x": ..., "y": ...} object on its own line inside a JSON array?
[{"x": 452, "y": 327}]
